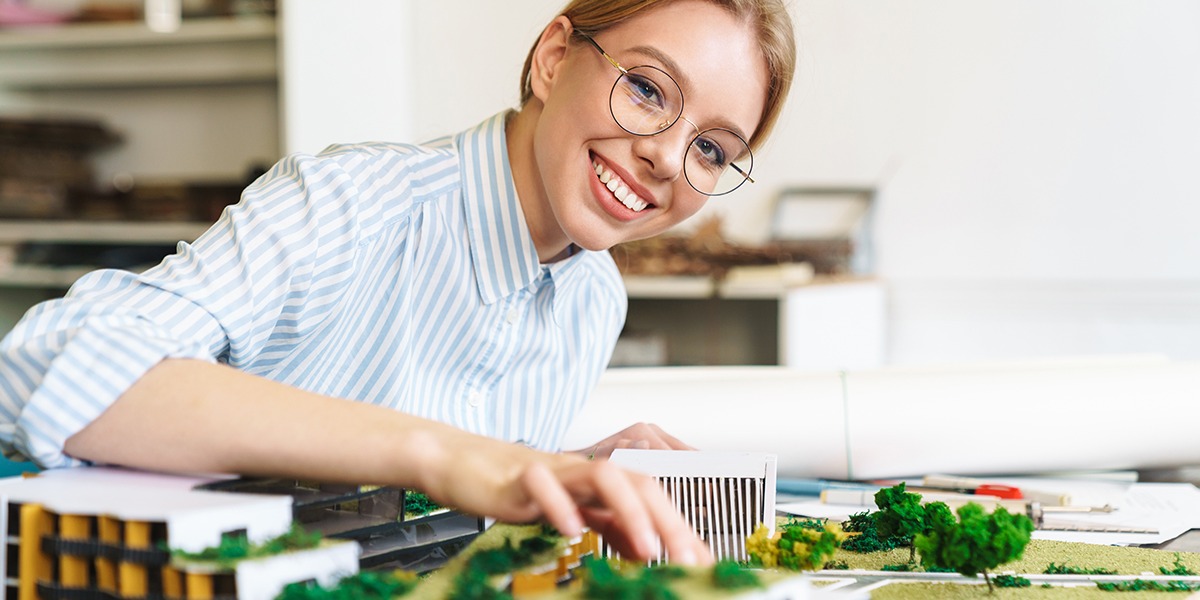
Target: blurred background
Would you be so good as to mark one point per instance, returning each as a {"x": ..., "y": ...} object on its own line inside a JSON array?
[{"x": 951, "y": 181}]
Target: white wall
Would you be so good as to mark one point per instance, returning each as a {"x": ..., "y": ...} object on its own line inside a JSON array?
[
  {"x": 345, "y": 68},
  {"x": 1036, "y": 159},
  {"x": 471, "y": 58}
]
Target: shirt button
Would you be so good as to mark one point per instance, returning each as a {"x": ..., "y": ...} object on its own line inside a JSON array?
[
  {"x": 475, "y": 398},
  {"x": 511, "y": 317}
]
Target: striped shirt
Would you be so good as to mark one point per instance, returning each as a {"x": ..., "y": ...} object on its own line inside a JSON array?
[{"x": 400, "y": 275}]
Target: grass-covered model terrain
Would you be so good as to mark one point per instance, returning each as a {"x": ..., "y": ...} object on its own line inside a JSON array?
[
  {"x": 903, "y": 550},
  {"x": 953, "y": 547},
  {"x": 484, "y": 570}
]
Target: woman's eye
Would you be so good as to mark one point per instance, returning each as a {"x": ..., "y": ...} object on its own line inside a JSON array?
[
  {"x": 645, "y": 90},
  {"x": 711, "y": 152}
]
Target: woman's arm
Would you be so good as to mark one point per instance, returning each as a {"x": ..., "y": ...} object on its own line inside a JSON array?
[{"x": 197, "y": 417}]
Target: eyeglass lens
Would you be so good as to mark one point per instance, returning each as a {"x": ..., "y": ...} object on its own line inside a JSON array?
[{"x": 646, "y": 101}]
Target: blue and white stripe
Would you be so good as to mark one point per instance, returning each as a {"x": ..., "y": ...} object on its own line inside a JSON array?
[{"x": 400, "y": 275}]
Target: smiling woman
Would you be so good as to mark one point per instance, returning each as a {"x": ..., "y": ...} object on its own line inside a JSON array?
[
  {"x": 597, "y": 164},
  {"x": 424, "y": 316}
]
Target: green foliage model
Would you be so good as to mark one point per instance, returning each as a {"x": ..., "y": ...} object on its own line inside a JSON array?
[
  {"x": 729, "y": 575},
  {"x": 1012, "y": 581},
  {"x": 367, "y": 585},
  {"x": 813, "y": 524},
  {"x": 977, "y": 542},
  {"x": 901, "y": 517},
  {"x": 474, "y": 581},
  {"x": 234, "y": 548},
  {"x": 797, "y": 547},
  {"x": 1064, "y": 569},
  {"x": 1142, "y": 585},
  {"x": 866, "y": 538},
  {"x": 416, "y": 503},
  {"x": 1178, "y": 568},
  {"x": 605, "y": 582}
]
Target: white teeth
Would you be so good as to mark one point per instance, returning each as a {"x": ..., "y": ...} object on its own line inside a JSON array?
[{"x": 619, "y": 189}]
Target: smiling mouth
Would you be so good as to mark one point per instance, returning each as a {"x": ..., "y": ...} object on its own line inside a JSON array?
[{"x": 619, "y": 189}]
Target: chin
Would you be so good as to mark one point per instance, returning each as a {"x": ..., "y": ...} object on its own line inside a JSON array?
[{"x": 595, "y": 245}]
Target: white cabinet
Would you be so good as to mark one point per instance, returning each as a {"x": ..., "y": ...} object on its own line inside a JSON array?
[{"x": 829, "y": 324}]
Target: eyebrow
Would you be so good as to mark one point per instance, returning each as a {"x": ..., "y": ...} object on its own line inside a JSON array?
[{"x": 681, "y": 75}]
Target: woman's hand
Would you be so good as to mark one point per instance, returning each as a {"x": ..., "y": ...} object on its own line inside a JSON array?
[
  {"x": 516, "y": 484},
  {"x": 641, "y": 436}
]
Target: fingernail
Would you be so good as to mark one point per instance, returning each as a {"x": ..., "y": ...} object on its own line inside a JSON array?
[
  {"x": 574, "y": 525},
  {"x": 686, "y": 557},
  {"x": 650, "y": 543}
]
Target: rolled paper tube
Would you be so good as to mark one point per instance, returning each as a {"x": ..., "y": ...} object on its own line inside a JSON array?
[{"x": 901, "y": 422}]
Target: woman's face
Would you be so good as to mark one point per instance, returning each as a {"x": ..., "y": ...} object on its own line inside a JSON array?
[{"x": 720, "y": 70}]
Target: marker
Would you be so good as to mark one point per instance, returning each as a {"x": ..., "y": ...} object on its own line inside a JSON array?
[{"x": 1046, "y": 498}]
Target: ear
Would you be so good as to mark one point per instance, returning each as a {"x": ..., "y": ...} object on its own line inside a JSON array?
[{"x": 548, "y": 56}]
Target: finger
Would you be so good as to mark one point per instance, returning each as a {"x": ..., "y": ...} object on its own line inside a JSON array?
[
  {"x": 552, "y": 498},
  {"x": 681, "y": 543},
  {"x": 671, "y": 441},
  {"x": 602, "y": 522},
  {"x": 630, "y": 519}
]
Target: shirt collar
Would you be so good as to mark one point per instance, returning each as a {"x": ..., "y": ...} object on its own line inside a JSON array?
[{"x": 502, "y": 249}]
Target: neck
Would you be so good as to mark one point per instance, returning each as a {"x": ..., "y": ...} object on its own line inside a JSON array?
[{"x": 549, "y": 239}]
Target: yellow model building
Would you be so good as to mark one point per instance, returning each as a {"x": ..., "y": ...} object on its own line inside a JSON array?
[{"x": 86, "y": 531}]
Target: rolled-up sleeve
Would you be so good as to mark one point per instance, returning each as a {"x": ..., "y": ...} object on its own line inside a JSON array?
[{"x": 225, "y": 298}]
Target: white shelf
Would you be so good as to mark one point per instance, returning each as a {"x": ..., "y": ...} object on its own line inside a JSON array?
[
  {"x": 135, "y": 33},
  {"x": 771, "y": 283},
  {"x": 669, "y": 286},
  {"x": 21, "y": 276},
  {"x": 211, "y": 51},
  {"x": 115, "y": 232}
]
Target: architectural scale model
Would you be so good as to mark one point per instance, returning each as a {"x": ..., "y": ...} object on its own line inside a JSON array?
[
  {"x": 724, "y": 496},
  {"x": 113, "y": 534},
  {"x": 102, "y": 534}
]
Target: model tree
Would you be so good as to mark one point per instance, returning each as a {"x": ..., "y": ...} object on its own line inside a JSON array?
[
  {"x": 976, "y": 542},
  {"x": 901, "y": 516},
  {"x": 937, "y": 515},
  {"x": 794, "y": 547}
]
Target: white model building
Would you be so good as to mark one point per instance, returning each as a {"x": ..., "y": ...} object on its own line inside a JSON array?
[{"x": 103, "y": 531}]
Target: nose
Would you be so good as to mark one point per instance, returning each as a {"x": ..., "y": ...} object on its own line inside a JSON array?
[{"x": 664, "y": 152}]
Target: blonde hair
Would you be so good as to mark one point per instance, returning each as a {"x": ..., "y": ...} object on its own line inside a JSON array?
[{"x": 769, "y": 17}]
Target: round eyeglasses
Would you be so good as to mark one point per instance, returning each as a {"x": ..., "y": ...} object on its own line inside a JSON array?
[{"x": 646, "y": 101}]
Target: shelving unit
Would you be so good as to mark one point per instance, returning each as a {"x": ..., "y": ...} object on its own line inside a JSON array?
[
  {"x": 82, "y": 232},
  {"x": 117, "y": 232},
  {"x": 199, "y": 105},
  {"x": 114, "y": 55}
]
